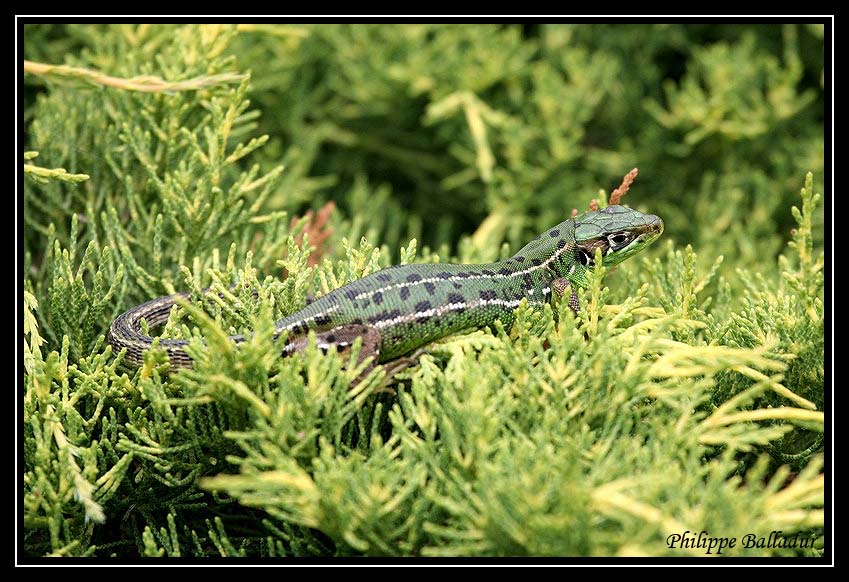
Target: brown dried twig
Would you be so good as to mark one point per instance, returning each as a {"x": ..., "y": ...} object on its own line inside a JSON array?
[
  {"x": 617, "y": 194},
  {"x": 317, "y": 230}
]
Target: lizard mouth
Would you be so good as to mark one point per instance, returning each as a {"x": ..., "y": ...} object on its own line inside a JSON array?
[{"x": 652, "y": 229}]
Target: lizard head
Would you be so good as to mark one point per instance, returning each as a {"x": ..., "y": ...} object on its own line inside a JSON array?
[{"x": 618, "y": 231}]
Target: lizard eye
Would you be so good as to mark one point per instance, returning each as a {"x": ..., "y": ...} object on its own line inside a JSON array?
[
  {"x": 618, "y": 239},
  {"x": 584, "y": 258}
]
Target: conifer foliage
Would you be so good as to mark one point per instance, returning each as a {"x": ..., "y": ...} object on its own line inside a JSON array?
[{"x": 256, "y": 165}]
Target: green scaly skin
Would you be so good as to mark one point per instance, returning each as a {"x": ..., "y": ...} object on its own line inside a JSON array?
[{"x": 405, "y": 307}]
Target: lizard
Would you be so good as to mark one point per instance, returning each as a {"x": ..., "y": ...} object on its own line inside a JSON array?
[{"x": 401, "y": 308}]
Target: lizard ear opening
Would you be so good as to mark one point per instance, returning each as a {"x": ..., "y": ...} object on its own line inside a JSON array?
[{"x": 584, "y": 258}]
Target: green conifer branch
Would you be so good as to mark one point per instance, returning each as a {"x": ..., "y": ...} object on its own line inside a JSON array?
[
  {"x": 45, "y": 175},
  {"x": 145, "y": 83}
]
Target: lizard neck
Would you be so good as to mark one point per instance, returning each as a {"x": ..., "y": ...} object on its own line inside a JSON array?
[{"x": 551, "y": 250}]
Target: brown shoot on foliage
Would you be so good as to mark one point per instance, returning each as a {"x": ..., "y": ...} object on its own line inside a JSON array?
[
  {"x": 317, "y": 230},
  {"x": 616, "y": 195}
]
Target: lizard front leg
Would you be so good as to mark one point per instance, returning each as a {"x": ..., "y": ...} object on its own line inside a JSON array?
[{"x": 561, "y": 286}]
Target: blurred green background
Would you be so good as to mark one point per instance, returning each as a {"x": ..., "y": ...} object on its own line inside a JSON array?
[{"x": 444, "y": 127}]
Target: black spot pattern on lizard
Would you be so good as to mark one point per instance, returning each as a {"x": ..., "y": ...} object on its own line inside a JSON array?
[
  {"x": 486, "y": 291},
  {"x": 383, "y": 315},
  {"x": 554, "y": 233},
  {"x": 323, "y": 319},
  {"x": 456, "y": 298},
  {"x": 351, "y": 293}
]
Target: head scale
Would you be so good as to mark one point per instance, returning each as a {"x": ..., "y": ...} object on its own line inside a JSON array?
[{"x": 618, "y": 231}]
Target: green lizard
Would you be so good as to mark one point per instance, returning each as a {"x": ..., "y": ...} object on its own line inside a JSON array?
[{"x": 401, "y": 308}]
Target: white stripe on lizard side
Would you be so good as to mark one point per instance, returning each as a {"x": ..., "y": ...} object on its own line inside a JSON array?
[{"x": 449, "y": 307}]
